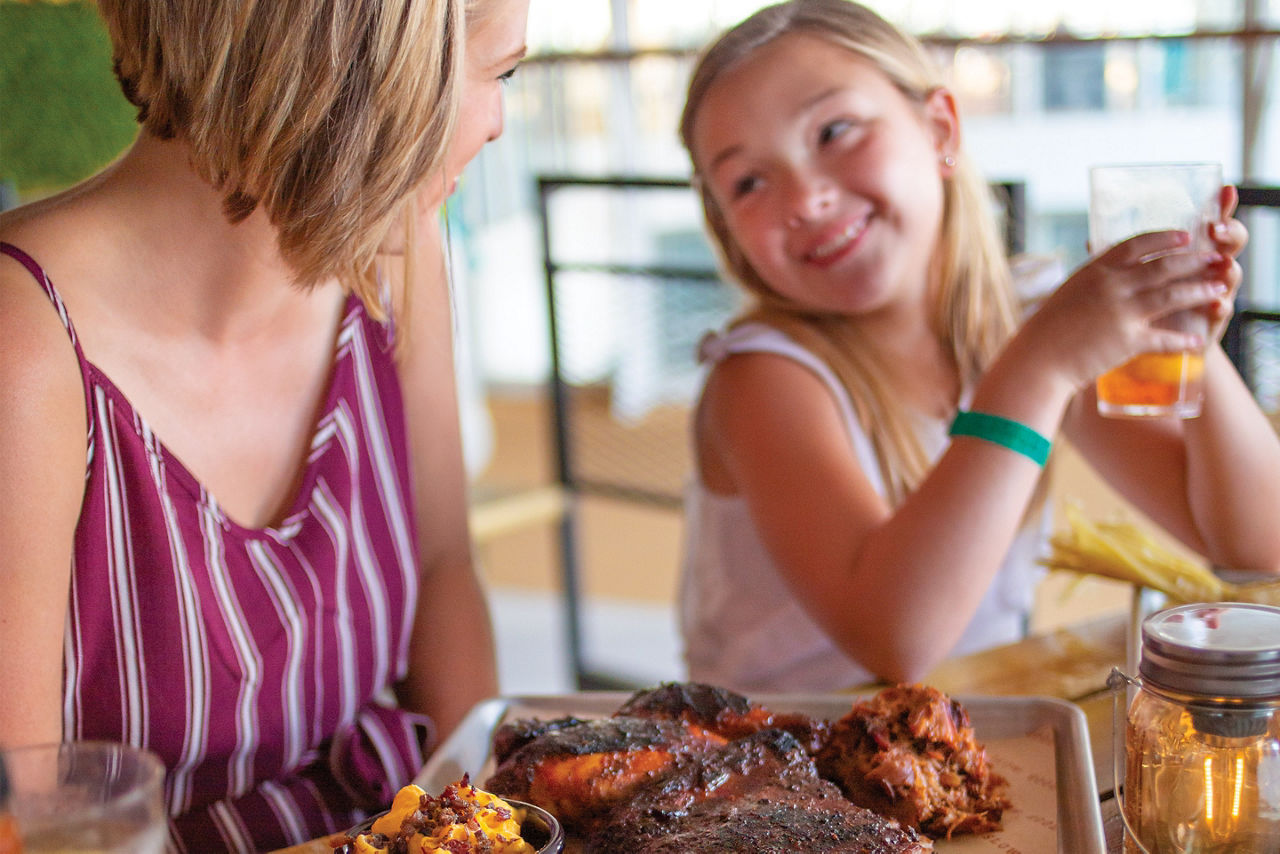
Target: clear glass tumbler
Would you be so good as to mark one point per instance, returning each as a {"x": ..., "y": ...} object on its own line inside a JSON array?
[
  {"x": 1126, "y": 200},
  {"x": 92, "y": 797}
]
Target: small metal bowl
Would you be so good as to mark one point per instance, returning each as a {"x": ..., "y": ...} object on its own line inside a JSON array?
[{"x": 539, "y": 828}]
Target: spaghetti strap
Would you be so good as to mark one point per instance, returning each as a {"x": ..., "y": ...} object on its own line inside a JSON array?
[{"x": 37, "y": 272}]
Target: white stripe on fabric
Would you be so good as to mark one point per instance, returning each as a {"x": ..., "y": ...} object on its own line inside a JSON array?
[
  {"x": 177, "y": 845},
  {"x": 324, "y": 433},
  {"x": 240, "y": 762},
  {"x": 119, "y": 568},
  {"x": 378, "y": 441},
  {"x": 319, "y": 806},
  {"x": 366, "y": 560},
  {"x": 329, "y": 514},
  {"x": 349, "y": 325},
  {"x": 59, "y": 306},
  {"x": 385, "y": 746},
  {"x": 417, "y": 741},
  {"x": 319, "y": 680},
  {"x": 285, "y": 599},
  {"x": 72, "y": 666},
  {"x": 194, "y": 645},
  {"x": 287, "y": 810},
  {"x": 235, "y": 836}
]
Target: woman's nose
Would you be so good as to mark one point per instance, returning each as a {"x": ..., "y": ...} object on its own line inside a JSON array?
[{"x": 496, "y": 119}]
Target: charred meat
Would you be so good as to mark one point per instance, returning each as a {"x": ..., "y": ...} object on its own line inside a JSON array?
[
  {"x": 513, "y": 735},
  {"x": 758, "y": 793},
  {"x": 721, "y": 711},
  {"x": 579, "y": 771}
]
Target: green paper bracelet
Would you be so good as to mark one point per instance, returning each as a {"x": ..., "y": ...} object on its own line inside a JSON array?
[{"x": 1004, "y": 432}]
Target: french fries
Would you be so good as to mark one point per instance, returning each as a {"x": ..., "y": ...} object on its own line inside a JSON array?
[{"x": 1125, "y": 552}]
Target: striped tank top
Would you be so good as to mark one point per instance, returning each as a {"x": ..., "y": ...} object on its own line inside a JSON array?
[{"x": 256, "y": 663}]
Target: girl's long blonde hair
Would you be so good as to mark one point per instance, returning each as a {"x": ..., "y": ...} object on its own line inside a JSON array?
[
  {"x": 325, "y": 115},
  {"x": 974, "y": 300}
]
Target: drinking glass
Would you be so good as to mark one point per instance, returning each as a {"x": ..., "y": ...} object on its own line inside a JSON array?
[
  {"x": 93, "y": 797},
  {"x": 1125, "y": 200}
]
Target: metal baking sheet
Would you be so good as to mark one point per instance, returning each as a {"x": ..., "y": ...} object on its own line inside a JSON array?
[{"x": 1040, "y": 744}]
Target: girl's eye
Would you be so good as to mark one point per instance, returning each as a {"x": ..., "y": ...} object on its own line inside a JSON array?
[
  {"x": 833, "y": 129},
  {"x": 744, "y": 185},
  {"x": 506, "y": 76}
]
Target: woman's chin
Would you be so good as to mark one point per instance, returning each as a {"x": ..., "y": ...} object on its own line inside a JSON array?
[{"x": 433, "y": 193}]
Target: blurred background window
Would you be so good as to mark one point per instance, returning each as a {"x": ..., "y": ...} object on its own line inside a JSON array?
[{"x": 1076, "y": 77}]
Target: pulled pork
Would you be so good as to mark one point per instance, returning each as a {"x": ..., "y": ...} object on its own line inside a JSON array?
[{"x": 909, "y": 752}]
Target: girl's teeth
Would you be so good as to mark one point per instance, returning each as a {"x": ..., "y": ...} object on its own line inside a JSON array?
[{"x": 836, "y": 244}]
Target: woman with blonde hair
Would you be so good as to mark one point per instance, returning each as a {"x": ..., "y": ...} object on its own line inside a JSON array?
[
  {"x": 871, "y": 436},
  {"x": 232, "y": 502}
]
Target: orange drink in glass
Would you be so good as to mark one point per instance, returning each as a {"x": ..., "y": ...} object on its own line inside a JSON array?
[
  {"x": 1126, "y": 200},
  {"x": 1153, "y": 384}
]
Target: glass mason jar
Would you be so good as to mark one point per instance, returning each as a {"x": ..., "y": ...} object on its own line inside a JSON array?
[{"x": 1202, "y": 740}]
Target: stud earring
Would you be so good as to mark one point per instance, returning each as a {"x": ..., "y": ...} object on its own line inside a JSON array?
[{"x": 949, "y": 161}]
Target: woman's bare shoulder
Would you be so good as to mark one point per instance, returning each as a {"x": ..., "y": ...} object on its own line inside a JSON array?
[
  {"x": 39, "y": 371},
  {"x": 42, "y": 483}
]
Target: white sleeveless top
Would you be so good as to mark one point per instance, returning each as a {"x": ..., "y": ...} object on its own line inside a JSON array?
[{"x": 742, "y": 626}]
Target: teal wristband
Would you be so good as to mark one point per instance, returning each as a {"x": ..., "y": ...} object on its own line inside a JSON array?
[{"x": 1003, "y": 432}]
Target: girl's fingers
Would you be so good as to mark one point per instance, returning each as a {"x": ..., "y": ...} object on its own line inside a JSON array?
[
  {"x": 1159, "y": 270},
  {"x": 1231, "y": 275},
  {"x": 1220, "y": 314},
  {"x": 1229, "y": 236},
  {"x": 1228, "y": 198},
  {"x": 1139, "y": 247},
  {"x": 1155, "y": 303},
  {"x": 1172, "y": 341},
  {"x": 1221, "y": 309}
]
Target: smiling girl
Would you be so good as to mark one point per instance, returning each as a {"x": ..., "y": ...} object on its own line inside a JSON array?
[{"x": 836, "y": 531}]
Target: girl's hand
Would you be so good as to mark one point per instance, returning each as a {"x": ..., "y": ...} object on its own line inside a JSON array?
[
  {"x": 1109, "y": 310},
  {"x": 1229, "y": 238}
]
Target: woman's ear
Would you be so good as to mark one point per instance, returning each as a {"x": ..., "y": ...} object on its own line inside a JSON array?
[{"x": 943, "y": 121}]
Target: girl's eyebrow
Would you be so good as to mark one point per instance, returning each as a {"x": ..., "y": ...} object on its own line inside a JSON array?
[
  {"x": 723, "y": 156},
  {"x": 804, "y": 106},
  {"x": 814, "y": 100}
]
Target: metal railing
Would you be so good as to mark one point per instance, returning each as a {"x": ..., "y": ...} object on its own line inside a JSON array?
[{"x": 1252, "y": 340}]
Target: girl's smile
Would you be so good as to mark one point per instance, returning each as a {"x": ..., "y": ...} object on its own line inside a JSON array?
[{"x": 838, "y": 243}]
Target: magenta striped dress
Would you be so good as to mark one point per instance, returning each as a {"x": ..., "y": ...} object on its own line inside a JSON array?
[{"x": 256, "y": 663}]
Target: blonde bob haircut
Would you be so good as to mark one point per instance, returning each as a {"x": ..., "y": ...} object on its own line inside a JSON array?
[
  {"x": 326, "y": 115},
  {"x": 972, "y": 295}
]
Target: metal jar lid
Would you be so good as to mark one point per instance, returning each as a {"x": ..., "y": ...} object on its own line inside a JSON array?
[{"x": 1226, "y": 650}]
